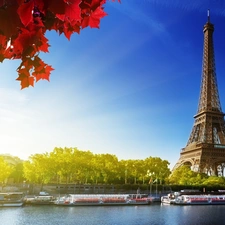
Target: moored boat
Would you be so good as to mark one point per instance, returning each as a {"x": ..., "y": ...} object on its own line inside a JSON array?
[
  {"x": 168, "y": 199},
  {"x": 101, "y": 200},
  {"x": 11, "y": 199},
  {"x": 200, "y": 200},
  {"x": 217, "y": 200},
  {"x": 40, "y": 200}
]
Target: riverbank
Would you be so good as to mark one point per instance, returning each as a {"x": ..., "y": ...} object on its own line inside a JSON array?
[{"x": 55, "y": 189}]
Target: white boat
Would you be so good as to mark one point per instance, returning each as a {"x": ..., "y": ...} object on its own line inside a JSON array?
[
  {"x": 170, "y": 198},
  {"x": 101, "y": 200},
  {"x": 167, "y": 199},
  {"x": 200, "y": 200},
  {"x": 40, "y": 200},
  {"x": 11, "y": 199}
]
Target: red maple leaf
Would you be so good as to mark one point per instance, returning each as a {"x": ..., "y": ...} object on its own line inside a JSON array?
[
  {"x": 26, "y": 81},
  {"x": 41, "y": 69},
  {"x": 24, "y": 77},
  {"x": 96, "y": 3},
  {"x": 25, "y": 12},
  {"x": 9, "y": 21},
  {"x": 56, "y": 6},
  {"x": 42, "y": 44},
  {"x": 24, "y": 43},
  {"x": 43, "y": 74},
  {"x": 93, "y": 20},
  {"x": 3, "y": 45},
  {"x": 70, "y": 27},
  {"x": 73, "y": 10}
]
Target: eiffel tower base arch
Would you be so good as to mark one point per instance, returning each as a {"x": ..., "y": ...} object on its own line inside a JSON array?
[{"x": 203, "y": 158}]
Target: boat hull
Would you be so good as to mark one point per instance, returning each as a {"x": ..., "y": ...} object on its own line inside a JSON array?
[
  {"x": 11, "y": 204},
  {"x": 100, "y": 200},
  {"x": 102, "y": 204},
  {"x": 200, "y": 200}
]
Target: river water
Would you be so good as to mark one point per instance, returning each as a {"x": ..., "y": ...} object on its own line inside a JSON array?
[{"x": 155, "y": 214}]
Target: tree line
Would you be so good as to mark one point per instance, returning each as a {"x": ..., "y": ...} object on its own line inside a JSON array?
[{"x": 71, "y": 165}]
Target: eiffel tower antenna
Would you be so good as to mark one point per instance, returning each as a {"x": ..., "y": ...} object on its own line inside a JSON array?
[{"x": 205, "y": 149}]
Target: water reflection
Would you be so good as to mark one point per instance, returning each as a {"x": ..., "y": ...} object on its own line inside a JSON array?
[{"x": 113, "y": 215}]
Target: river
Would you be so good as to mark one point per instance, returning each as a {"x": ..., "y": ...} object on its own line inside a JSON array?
[{"x": 155, "y": 214}]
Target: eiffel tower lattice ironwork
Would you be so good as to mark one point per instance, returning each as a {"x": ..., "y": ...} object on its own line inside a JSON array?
[{"x": 205, "y": 149}]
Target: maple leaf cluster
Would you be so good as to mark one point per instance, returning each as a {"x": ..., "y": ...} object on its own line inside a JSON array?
[{"x": 23, "y": 24}]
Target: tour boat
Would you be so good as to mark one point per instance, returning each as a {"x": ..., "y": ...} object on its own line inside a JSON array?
[
  {"x": 11, "y": 199},
  {"x": 200, "y": 200},
  {"x": 101, "y": 200}
]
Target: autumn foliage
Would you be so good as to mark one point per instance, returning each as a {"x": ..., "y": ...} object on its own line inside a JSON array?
[{"x": 23, "y": 25}]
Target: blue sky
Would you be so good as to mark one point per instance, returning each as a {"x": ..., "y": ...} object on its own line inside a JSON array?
[{"x": 130, "y": 88}]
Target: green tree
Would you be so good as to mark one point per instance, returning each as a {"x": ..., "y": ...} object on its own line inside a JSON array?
[
  {"x": 96, "y": 171},
  {"x": 105, "y": 168},
  {"x": 214, "y": 181},
  {"x": 17, "y": 173},
  {"x": 183, "y": 176},
  {"x": 29, "y": 171},
  {"x": 130, "y": 170},
  {"x": 64, "y": 163},
  {"x": 157, "y": 169},
  {"x": 140, "y": 172},
  {"x": 17, "y": 167},
  {"x": 84, "y": 167},
  {"x": 5, "y": 169},
  {"x": 110, "y": 167},
  {"x": 38, "y": 169}
]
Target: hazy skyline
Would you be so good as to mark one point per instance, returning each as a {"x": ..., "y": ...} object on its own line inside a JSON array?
[{"x": 130, "y": 88}]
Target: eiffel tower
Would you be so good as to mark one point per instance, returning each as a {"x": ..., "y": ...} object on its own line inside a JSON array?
[{"x": 205, "y": 149}]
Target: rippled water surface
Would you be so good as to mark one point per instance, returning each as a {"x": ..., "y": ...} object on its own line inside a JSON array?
[{"x": 114, "y": 215}]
